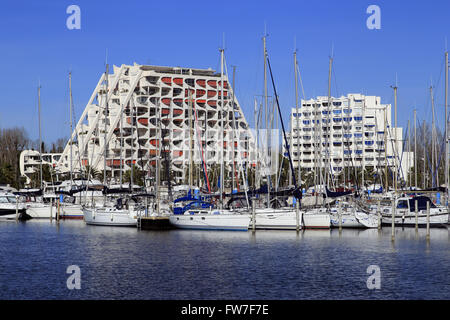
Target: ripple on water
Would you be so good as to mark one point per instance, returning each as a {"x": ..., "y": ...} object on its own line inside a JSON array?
[{"x": 125, "y": 263}]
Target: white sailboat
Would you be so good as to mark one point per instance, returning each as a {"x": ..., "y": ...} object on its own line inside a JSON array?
[
  {"x": 350, "y": 215},
  {"x": 111, "y": 216},
  {"x": 213, "y": 219},
  {"x": 278, "y": 219},
  {"x": 317, "y": 219}
]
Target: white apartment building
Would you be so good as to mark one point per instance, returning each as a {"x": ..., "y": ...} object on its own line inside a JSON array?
[
  {"x": 143, "y": 112},
  {"x": 29, "y": 162},
  {"x": 350, "y": 131}
]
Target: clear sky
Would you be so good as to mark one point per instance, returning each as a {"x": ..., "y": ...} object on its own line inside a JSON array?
[{"x": 37, "y": 46}]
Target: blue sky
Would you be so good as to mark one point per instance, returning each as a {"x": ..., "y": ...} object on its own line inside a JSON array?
[{"x": 36, "y": 46}]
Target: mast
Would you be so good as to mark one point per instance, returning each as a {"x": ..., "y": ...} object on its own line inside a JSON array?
[
  {"x": 291, "y": 138},
  {"x": 327, "y": 142},
  {"x": 433, "y": 146},
  {"x": 266, "y": 119},
  {"x": 409, "y": 152},
  {"x": 363, "y": 162},
  {"x": 257, "y": 160},
  {"x": 297, "y": 194},
  {"x": 132, "y": 142},
  {"x": 40, "y": 136},
  {"x": 71, "y": 128},
  {"x": 424, "y": 150},
  {"x": 385, "y": 152},
  {"x": 221, "y": 149},
  {"x": 446, "y": 128},
  {"x": 121, "y": 145},
  {"x": 395, "y": 138},
  {"x": 234, "y": 175},
  {"x": 106, "y": 121},
  {"x": 297, "y": 118},
  {"x": 158, "y": 159},
  {"x": 415, "y": 149},
  {"x": 191, "y": 160}
]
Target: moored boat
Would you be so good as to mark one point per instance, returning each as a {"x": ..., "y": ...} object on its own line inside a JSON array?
[{"x": 214, "y": 219}]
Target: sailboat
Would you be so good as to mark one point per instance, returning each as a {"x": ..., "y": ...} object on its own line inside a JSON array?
[
  {"x": 71, "y": 210},
  {"x": 121, "y": 214},
  {"x": 113, "y": 216},
  {"x": 38, "y": 205},
  {"x": 287, "y": 218},
  {"x": 213, "y": 218}
]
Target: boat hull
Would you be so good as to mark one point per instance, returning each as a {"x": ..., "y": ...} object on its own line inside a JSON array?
[
  {"x": 233, "y": 222},
  {"x": 71, "y": 212},
  {"x": 436, "y": 220},
  {"x": 355, "y": 220},
  {"x": 10, "y": 214},
  {"x": 41, "y": 211},
  {"x": 316, "y": 221},
  {"x": 277, "y": 220},
  {"x": 110, "y": 217}
]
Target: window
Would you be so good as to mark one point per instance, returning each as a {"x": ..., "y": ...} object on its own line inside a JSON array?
[{"x": 402, "y": 204}]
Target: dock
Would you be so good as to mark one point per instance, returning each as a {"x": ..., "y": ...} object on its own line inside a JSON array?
[{"x": 155, "y": 223}]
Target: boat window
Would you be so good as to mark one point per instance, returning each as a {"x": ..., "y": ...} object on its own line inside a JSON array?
[
  {"x": 421, "y": 203},
  {"x": 402, "y": 204},
  {"x": 3, "y": 200},
  {"x": 12, "y": 199}
]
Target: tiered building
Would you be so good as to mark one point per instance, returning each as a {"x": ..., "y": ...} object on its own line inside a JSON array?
[{"x": 143, "y": 112}]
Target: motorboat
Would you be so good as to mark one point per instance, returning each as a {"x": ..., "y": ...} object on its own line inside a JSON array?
[
  {"x": 10, "y": 208},
  {"x": 405, "y": 212}
]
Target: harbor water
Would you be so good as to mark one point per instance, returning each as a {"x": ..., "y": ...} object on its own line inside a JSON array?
[{"x": 127, "y": 263}]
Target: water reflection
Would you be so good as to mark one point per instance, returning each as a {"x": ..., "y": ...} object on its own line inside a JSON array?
[{"x": 126, "y": 263}]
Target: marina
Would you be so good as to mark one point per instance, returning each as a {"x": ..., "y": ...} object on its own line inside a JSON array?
[{"x": 163, "y": 161}]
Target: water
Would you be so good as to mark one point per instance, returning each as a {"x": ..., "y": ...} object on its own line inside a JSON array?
[{"x": 125, "y": 263}]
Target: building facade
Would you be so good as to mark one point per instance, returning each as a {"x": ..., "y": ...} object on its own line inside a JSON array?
[
  {"x": 29, "y": 162},
  {"x": 349, "y": 131},
  {"x": 142, "y": 113}
]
